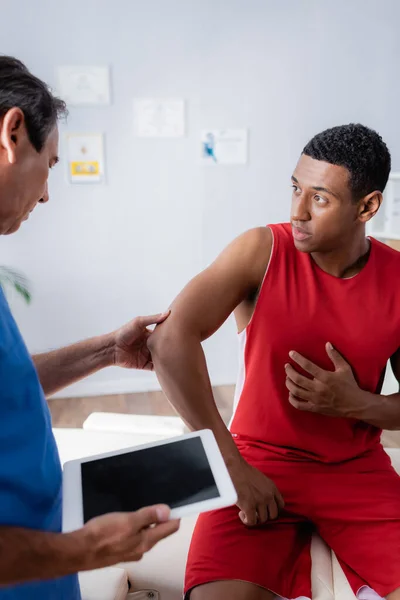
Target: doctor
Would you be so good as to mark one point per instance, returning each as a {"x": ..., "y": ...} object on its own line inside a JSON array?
[{"x": 37, "y": 562}]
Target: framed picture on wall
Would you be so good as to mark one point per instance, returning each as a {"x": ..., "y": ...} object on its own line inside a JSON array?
[
  {"x": 386, "y": 223},
  {"x": 84, "y": 86},
  {"x": 85, "y": 154}
]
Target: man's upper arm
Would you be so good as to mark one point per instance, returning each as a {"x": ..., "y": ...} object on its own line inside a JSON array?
[
  {"x": 395, "y": 362},
  {"x": 208, "y": 300}
]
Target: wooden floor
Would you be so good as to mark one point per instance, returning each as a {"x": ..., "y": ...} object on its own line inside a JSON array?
[{"x": 72, "y": 412}]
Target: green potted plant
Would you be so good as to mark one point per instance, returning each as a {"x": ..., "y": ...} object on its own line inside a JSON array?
[{"x": 14, "y": 279}]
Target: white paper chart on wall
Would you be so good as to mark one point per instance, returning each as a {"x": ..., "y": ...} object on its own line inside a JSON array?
[
  {"x": 84, "y": 85},
  {"x": 159, "y": 117},
  {"x": 85, "y": 154},
  {"x": 395, "y": 207},
  {"x": 386, "y": 223},
  {"x": 224, "y": 146}
]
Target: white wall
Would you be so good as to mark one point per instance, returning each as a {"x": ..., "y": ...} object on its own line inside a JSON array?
[{"x": 99, "y": 255}]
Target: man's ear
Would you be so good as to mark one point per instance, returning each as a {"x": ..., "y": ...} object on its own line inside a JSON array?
[
  {"x": 369, "y": 206},
  {"x": 12, "y": 131}
]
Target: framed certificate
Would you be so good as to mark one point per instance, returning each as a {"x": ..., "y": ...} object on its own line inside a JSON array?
[
  {"x": 386, "y": 223},
  {"x": 85, "y": 158}
]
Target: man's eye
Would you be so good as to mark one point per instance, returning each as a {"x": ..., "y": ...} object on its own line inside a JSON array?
[{"x": 320, "y": 200}]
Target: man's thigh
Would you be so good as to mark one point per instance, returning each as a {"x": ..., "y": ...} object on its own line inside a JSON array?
[
  {"x": 274, "y": 557},
  {"x": 357, "y": 513},
  {"x": 234, "y": 590}
]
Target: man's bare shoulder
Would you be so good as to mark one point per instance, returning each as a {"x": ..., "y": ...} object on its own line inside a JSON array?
[
  {"x": 208, "y": 299},
  {"x": 257, "y": 238},
  {"x": 253, "y": 248}
]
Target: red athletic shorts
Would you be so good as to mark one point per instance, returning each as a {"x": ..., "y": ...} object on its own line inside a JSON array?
[{"x": 355, "y": 507}]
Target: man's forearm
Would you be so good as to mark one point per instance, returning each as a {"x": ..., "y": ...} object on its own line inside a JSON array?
[
  {"x": 60, "y": 368},
  {"x": 27, "y": 555},
  {"x": 381, "y": 411},
  {"x": 181, "y": 368}
]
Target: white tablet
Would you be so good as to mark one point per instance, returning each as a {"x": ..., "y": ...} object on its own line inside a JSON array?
[{"x": 187, "y": 472}]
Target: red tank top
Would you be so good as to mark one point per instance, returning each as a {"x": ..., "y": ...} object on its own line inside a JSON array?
[{"x": 301, "y": 307}]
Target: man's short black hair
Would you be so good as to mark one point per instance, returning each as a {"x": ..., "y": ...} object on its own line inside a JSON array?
[
  {"x": 360, "y": 150},
  {"x": 20, "y": 89}
]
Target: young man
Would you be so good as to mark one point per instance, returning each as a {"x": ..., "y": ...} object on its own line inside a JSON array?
[
  {"x": 31, "y": 545},
  {"x": 317, "y": 307}
]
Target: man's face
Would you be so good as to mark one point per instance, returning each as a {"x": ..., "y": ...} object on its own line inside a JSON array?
[
  {"x": 23, "y": 175},
  {"x": 323, "y": 213}
]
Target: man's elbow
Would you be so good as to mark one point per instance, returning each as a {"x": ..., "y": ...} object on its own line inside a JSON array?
[
  {"x": 170, "y": 339},
  {"x": 159, "y": 341}
]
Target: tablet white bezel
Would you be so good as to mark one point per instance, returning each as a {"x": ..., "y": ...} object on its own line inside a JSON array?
[{"x": 72, "y": 481}]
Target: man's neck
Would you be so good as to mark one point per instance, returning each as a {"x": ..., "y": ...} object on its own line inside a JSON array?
[{"x": 347, "y": 261}]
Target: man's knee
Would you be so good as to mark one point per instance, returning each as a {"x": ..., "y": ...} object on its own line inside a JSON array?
[
  {"x": 234, "y": 590},
  {"x": 394, "y": 595}
]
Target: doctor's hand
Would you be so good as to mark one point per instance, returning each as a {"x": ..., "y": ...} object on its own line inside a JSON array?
[
  {"x": 123, "y": 537},
  {"x": 130, "y": 342}
]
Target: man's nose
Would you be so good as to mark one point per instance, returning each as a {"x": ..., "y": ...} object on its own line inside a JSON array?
[
  {"x": 300, "y": 209},
  {"x": 45, "y": 197}
]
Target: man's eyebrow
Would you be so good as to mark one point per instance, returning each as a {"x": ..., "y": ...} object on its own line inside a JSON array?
[
  {"x": 322, "y": 189},
  {"x": 319, "y": 189}
]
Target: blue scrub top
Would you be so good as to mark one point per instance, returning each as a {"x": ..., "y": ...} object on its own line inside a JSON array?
[{"x": 30, "y": 470}]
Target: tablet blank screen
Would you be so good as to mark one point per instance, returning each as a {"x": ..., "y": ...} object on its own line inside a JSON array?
[{"x": 175, "y": 474}]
